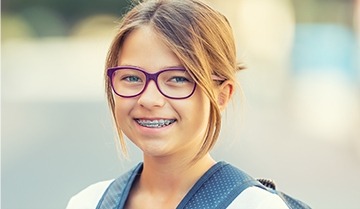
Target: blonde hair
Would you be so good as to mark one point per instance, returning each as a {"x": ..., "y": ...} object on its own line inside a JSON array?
[{"x": 199, "y": 36}]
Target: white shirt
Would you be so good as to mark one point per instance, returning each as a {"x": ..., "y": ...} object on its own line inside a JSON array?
[{"x": 250, "y": 198}]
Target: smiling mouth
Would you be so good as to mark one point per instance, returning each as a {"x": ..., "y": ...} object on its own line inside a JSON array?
[{"x": 155, "y": 123}]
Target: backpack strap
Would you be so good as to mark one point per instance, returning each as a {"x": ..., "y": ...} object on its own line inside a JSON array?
[
  {"x": 116, "y": 194},
  {"x": 223, "y": 183},
  {"x": 217, "y": 188},
  {"x": 289, "y": 201},
  {"x": 292, "y": 203}
]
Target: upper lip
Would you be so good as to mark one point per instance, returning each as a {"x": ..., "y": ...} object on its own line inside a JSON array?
[{"x": 154, "y": 118}]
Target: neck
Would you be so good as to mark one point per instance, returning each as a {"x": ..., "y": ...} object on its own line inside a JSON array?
[{"x": 167, "y": 176}]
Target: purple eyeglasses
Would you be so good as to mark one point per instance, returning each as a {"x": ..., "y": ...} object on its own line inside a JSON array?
[{"x": 130, "y": 81}]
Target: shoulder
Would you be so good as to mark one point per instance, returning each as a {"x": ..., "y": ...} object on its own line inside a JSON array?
[
  {"x": 89, "y": 197},
  {"x": 257, "y": 198}
]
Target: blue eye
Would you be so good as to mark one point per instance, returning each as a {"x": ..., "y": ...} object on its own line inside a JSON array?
[
  {"x": 132, "y": 79},
  {"x": 179, "y": 79}
]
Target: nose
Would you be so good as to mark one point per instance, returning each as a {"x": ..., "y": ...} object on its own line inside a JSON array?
[{"x": 151, "y": 97}]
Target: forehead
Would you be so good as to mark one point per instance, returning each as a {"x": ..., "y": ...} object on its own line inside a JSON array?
[{"x": 145, "y": 49}]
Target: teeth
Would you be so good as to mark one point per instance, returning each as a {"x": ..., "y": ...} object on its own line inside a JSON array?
[{"x": 155, "y": 123}]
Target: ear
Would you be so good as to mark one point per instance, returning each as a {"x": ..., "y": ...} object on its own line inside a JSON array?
[{"x": 225, "y": 92}]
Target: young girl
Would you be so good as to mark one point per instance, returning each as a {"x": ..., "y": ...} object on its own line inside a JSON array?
[{"x": 170, "y": 72}]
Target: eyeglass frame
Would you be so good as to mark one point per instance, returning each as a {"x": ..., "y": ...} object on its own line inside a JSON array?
[{"x": 149, "y": 77}]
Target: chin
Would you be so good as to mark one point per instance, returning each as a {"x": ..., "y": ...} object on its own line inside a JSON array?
[{"x": 155, "y": 150}]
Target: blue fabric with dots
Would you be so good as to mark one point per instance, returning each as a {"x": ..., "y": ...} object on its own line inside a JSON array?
[
  {"x": 291, "y": 202},
  {"x": 116, "y": 194},
  {"x": 216, "y": 189}
]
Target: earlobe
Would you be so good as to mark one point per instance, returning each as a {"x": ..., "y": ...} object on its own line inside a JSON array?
[{"x": 226, "y": 90}]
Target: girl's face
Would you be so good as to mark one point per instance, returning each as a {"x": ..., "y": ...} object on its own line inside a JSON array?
[{"x": 188, "y": 118}]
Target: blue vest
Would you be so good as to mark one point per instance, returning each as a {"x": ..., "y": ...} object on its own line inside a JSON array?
[{"x": 217, "y": 188}]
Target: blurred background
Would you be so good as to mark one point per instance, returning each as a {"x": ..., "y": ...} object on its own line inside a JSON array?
[{"x": 296, "y": 119}]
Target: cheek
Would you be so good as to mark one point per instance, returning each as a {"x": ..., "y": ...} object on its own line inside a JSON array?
[
  {"x": 198, "y": 110},
  {"x": 202, "y": 103},
  {"x": 122, "y": 107}
]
